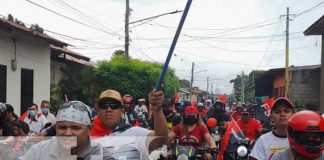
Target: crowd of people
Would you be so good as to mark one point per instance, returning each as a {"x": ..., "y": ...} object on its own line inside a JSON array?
[{"x": 121, "y": 127}]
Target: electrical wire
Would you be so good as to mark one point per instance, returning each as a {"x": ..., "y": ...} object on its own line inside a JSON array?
[
  {"x": 310, "y": 9},
  {"x": 85, "y": 16},
  {"x": 71, "y": 19}
]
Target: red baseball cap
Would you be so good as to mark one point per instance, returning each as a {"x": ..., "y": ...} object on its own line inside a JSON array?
[
  {"x": 282, "y": 100},
  {"x": 191, "y": 110}
]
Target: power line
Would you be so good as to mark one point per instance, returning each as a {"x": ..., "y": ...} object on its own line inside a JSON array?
[
  {"x": 310, "y": 9},
  {"x": 209, "y": 58},
  {"x": 81, "y": 23},
  {"x": 231, "y": 29},
  {"x": 216, "y": 37},
  {"x": 265, "y": 52},
  {"x": 154, "y": 17},
  {"x": 84, "y": 16}
]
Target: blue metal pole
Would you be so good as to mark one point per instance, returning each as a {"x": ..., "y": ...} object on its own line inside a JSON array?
[{"x": 174, "y": 42}]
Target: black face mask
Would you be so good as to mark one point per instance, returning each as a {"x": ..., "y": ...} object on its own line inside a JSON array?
[{"x": 189, "y": 120}]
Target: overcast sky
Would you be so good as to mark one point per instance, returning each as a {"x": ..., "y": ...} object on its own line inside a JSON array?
[{"x": 224, "y": 37}]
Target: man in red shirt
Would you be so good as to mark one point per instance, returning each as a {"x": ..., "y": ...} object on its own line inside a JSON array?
[{"x": 250, "y": 127}]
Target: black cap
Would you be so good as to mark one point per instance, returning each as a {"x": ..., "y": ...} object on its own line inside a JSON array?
[{"x": 182, "y": 106}]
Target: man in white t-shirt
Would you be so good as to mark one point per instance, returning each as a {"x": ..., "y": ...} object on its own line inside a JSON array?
[
  {"x": 124, "y": 140},
  {"x": 45, "y": 107},
  {"x": 305, "y": 136},
  {"x": 36, "y": 121},
  {"x": 269, "y": 143},
  {"x": 141, "y": 108}
]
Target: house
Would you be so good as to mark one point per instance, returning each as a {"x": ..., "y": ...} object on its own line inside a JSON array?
[
  {"x": 183, "y": 94},
  {"x": 317, "y": 28},
  {"x": 27, "y": 58},
  {"x": 304, "y": 84},
  {"x": 62, "y": 58}
]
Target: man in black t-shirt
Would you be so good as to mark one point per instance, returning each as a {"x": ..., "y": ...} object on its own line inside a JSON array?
[{"x": 172, "y": 118}]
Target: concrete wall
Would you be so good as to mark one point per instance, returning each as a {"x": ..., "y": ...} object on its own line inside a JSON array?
[
  {"x": 322, "y": 77},
  {"x": 33, "y": 54},
  {"x": 305, "y": 86}
]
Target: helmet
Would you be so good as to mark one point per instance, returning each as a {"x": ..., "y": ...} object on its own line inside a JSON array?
[
  {"x": 127, "y": 99},
  {"x": 306, "y": 122},
  {"x": 218, "y": 102},
  {"x": 238, "y": 105},
  {"x": 211, "y": 122},
  {"x": 200, "y": 105}
]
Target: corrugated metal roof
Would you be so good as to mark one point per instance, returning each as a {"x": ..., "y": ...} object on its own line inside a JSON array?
[
  {"x": 9, "y": 25},
  {"x": 316, "y": 28}
]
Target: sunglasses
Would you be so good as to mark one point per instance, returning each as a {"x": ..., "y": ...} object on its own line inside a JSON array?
[
  {"x": 76, "y": 105},
  {"x": 113, "y": 106}
]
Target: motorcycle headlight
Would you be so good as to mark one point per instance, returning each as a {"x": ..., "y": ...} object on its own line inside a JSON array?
[
  {"x": 182, "y": 157},
  {"x": 216, "y": 137},
  {"x": 242, "y": 151}
]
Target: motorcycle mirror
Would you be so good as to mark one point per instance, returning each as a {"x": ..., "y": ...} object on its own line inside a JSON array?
[
  {"x": 211, "y": 122},
  {"x": 47, "y": 125}
]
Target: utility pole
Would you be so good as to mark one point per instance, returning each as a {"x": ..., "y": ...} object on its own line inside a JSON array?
[
  {"x": 211, "y": 90},
  {"x": 287, "y": 56},
  {"x": 207, "y": 87},
  {"x": 191, "y": 81},
  {"x": 242, "y": 88},
  {"x": 127, "y": 29}
]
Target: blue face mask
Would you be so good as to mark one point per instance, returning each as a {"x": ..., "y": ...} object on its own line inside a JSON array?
[
  {"x": 32, "y": 113},
  {"x": 45, "y": 111}
]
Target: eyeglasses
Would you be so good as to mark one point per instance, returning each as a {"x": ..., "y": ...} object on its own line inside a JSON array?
[
  {"x": 113, "y": 106},
  {"x": 76, "y": 105}
]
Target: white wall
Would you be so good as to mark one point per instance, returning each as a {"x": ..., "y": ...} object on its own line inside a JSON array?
[{"x": 32, "y": 54}]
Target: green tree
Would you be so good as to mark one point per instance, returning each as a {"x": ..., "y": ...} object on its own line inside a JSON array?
[
  {"x": 119, "y": 53},
  {"x": 249, "y": 91},
  {"x": 132, "y": 76},
  {"x": 184, "y": 83},
  {"x": 78, "y": 84},
  {"x": 10, "y": 17}
]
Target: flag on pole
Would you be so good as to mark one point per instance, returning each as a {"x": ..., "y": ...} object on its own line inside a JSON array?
[
  {"x": 232, "y": 129},
  {"x": 223, "y": 98},
  {"x": 267, "y": 104}
]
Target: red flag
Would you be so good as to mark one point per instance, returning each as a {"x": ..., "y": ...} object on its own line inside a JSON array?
[
  {"x": 222, "y": 98},
  {"x": 176, "y": 99},
  {"x": 267, "y": 104},
  {"x": 232, "y": 128}
]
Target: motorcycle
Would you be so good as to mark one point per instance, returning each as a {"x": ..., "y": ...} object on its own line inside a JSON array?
[
  {"x": 180, "y": 152},
  {"x": 239, "y": 150}
]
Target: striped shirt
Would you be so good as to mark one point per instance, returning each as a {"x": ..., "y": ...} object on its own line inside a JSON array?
[{"x": 127, "y": 145}]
